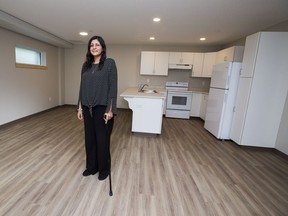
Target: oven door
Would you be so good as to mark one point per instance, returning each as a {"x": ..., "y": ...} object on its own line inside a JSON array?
[{"x": 179, "y": 100}]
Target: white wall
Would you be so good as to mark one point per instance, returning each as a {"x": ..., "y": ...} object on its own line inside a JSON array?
[
  {"x": 26, "y": 91},
  {"x": 282, "y": 138}
]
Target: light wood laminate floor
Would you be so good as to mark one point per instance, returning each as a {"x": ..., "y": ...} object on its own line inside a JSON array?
[{"x": 183, "y": 171}]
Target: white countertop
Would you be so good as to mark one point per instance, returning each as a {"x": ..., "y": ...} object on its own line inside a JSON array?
[
  {"x": 161, "y": 92},
  {"x": 133, "y": 92}
]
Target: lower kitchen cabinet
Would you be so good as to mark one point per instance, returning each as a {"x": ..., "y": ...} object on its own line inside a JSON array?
[
  {"x": 147, "y": 114},
  {"x": 203, "y": 106},
  {"x": 196, "y": 104}
]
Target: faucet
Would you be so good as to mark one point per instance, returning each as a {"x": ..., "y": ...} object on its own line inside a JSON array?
[{"x": 142, "y": 87}]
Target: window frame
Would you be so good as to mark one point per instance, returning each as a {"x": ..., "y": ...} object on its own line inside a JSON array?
[{"x": 42, "y": 65}]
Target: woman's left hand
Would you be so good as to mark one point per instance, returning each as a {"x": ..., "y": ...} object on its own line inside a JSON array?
[{"x": 108, "y": 116}]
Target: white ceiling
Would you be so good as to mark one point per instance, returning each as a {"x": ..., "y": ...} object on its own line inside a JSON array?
[{"x": 183, "y": 22}]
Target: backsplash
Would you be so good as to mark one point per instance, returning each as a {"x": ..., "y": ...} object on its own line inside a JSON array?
[
  {"x": 176, "y": 75},
  {"x": 199, "y": 83}
]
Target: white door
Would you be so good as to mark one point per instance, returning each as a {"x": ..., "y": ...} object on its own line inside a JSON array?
[
  {"x": 215, "y": 111},
  {"x": 239, "y": 115},
  {"x": 220, "y": 76}
]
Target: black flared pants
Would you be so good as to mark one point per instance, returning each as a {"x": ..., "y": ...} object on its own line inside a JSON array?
[{"x": 97, "y": 139}]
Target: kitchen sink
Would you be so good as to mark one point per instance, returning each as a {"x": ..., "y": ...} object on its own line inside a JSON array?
[{"x": 149, "y": 91}]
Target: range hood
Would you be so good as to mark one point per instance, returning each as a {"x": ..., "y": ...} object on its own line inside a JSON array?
[{"x": 180, "y": 66}]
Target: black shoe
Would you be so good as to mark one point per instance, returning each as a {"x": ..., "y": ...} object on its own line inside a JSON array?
[
  {"x": 102, "y": 176},
  {"x": 87, "y": 173}
]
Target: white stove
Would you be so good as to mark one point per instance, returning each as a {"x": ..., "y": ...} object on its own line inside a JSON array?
[{"x": 179, "y": 100}]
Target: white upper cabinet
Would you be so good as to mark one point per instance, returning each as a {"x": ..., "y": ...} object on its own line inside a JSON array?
[
  {"x": 197, "y": 64},
  {"x": 203, "y": 64},
  {"x": 249, "y": 57},
  {"x": 181, "y": 58},
  {"x": 209, "y": 61},
  {"x": 147, "y": 63},
  {"x": 154, "y": 63},
  {"x": 231, "y": 54}
]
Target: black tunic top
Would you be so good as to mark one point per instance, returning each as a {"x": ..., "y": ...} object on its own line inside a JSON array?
[{"x": 99, "y": 87}]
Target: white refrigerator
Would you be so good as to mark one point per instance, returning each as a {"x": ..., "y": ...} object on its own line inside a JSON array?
[{"x": 221, "y": 99}]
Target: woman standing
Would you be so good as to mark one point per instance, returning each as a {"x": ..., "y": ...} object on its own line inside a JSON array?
[{"x": 97, "y": 106}]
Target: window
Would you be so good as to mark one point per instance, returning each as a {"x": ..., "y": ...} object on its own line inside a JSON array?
[{"x": 29, "y": 58}]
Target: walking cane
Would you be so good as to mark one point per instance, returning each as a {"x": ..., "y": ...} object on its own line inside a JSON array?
[{"x": 110, "y": 181}]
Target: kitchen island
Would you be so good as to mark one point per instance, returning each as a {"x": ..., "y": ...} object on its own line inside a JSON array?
[{"x": 147, "y": 107}]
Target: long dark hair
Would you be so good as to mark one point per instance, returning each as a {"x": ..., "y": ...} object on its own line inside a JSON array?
[{"x": 90, "y": 58}]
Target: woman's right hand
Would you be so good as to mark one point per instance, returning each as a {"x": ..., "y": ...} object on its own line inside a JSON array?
[{"x": 79, "y": 114}]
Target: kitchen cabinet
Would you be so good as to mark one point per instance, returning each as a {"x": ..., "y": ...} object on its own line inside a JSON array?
[
  {"x": 147, "y": 115},
  {"x": 199, "y": 104},
  {"x": 249, "y": 58},
  {"x": 197, "y": 64},
  {"x": 262, "y": 90},
  {"x": 154, "y": 63},
  {"x": 147, "y": 110},
  {"x": 208, "y": 62},
  {"x": 231, "y": 54},
  {"x": 196, "y": 104},
  {"x": 203, "y": 64},
  {"x": 203, "y": 105},
  {"x": 181, "y": 58}
]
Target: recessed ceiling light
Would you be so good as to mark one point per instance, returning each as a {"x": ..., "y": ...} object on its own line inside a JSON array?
[
  {"x": 156, "y": 19},
  {"x": 202, "y": 39},
  {"x": 83, "y": 33},
  {"x": 152, "y": 38}
]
